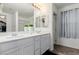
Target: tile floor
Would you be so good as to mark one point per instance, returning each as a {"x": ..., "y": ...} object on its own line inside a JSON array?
[{"x": 62, "y": 50}]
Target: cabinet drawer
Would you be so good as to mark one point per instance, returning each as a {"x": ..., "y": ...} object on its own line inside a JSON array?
[
  {"x": 14, "y": 51},
  {"x": 8, "y": 45},
  {"x": 25, "y": 41},
  {"x": 37, "y": 38}
]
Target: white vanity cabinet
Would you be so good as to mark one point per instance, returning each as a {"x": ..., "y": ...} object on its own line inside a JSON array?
[
  {"x": 34, "y": 45},
  {"x": 44, "y": 42},
  {"x": 24, "y": 46}
]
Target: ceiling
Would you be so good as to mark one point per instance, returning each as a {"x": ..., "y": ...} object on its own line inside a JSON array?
[
  {"x": 24, "y": 9},
  {"x": 60, "y": 5}
]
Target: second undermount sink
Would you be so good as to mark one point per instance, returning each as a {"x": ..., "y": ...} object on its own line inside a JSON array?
[{"x": 13, "y": 35}]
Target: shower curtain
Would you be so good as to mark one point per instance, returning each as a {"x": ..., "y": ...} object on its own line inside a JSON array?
[{"x": 70, "y": 23}]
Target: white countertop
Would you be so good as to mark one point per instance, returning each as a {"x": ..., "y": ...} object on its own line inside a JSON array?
[{"x": 19, "y": 35}]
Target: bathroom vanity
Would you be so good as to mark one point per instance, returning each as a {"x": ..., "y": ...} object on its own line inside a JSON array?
[
  {"x": 27, "y": 32},
  {"x": 25, "y": 44}
]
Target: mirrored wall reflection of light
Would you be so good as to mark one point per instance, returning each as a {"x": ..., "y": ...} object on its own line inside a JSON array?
[
  {"x": 36, "y": 5},
  {"x": 2, "y": 17},
  {"x": 40, "y": 6}
]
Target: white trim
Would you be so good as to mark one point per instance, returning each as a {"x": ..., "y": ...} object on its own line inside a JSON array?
[{"x": 69, "y": 42}]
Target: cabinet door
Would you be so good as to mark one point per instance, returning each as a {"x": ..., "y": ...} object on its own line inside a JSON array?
[
  {"x": 47, "y": 41},
  {"x": 37, "y": 52},
  {"x": 44, "y": 43},
  {"x": 37, "y": 42},
  {"x": 37, "y": 45},
  {"x": 28, "y": 50},
  {"x": 8, "y": 45}
]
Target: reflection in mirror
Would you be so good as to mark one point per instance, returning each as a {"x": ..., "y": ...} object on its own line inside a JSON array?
[
  {"x": 44, "y": 21},
  {"x": 26, "y": 17},
  {"x": 41, "y": 21},
  {"x": 37, "y": 21},
  {"x": 25, "y": 23},
  {"x": 2, "y": 23},
  {"x": 16, "y": 17}
]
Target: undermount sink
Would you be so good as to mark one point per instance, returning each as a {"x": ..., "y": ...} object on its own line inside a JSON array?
[{"x": 13, "y": 35}]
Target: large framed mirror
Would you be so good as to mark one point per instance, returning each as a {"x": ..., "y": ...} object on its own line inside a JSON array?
[{"x": 16, "y": 17}]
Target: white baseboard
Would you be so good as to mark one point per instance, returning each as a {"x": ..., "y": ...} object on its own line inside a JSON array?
[{"x": 73, "y": 43}]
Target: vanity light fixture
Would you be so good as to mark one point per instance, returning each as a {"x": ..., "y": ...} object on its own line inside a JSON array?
[
  {"x": 36, "y": 5},
  {"x": 2, "y": 16}
]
